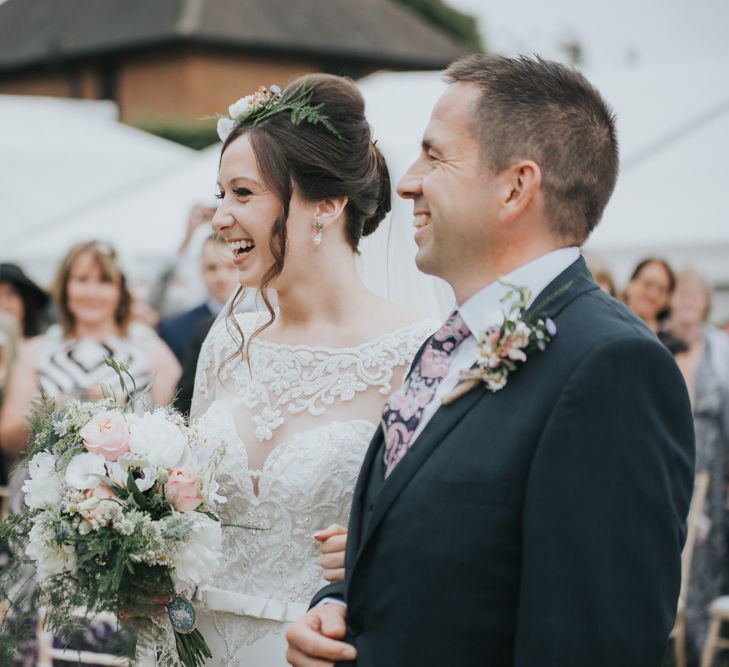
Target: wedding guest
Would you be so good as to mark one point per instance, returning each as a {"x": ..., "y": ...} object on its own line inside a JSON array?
[
  {"x": 648, "y": 295},
  {"x": 186, "y": 333},
  {"x": 220, "y": 277},
  {"x": 93, "y": 303},
  {"x": 94, "y": 307},
  {"x": 705, "y": 366},
  {"x": 21, "y": 298}
]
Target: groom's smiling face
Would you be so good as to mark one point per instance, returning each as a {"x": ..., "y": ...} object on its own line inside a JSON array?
[{"x": 455, "y": 195}]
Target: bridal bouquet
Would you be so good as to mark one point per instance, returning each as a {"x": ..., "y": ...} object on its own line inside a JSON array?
[{"x": 120, "y": 514}]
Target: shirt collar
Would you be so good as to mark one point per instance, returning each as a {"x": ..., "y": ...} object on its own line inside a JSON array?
[{"x": 485, "y": 308}]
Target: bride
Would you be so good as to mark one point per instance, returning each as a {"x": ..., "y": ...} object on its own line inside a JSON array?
[{"x": 295, "y": 394}]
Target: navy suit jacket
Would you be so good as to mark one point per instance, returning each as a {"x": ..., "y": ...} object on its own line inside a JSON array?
[
  {"x": 177, "y": 331},
  {"x": 538, "y": 526}
]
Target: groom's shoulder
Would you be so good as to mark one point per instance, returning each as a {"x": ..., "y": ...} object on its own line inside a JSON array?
[{"x": 597, "y": 320}]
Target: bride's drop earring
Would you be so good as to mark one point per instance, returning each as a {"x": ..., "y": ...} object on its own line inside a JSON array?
[{"x": 319, "y": 225}]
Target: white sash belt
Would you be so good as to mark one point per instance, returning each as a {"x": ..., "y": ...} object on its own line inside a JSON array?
[{"x": 217, "y": 599}]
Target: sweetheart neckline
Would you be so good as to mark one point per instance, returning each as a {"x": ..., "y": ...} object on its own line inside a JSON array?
[{"x": 259, "y": 473}]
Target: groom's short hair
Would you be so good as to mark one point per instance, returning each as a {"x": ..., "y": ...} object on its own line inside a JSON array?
[{"x": 547, "y": 112}]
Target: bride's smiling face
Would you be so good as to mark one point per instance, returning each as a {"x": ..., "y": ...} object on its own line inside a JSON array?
[{"x": 247, "y": 213}]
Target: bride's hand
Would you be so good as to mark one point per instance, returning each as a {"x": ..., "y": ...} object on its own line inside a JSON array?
[{"x": 333, "y": 543}]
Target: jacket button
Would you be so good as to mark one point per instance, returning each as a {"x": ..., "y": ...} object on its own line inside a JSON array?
[{"x": 354, "y": 626}]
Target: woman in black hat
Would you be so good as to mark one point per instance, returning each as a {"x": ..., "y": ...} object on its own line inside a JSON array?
[{"x": 21, "y": 298}]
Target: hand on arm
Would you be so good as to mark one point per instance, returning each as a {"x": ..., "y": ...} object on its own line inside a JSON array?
[{"x": 333, "y": 542}]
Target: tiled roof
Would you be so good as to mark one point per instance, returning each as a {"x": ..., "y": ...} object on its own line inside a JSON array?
[{"x": 382, "y": 32}]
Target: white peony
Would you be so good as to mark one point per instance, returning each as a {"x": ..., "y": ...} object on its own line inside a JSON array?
[
  {"x": 83, "y": 471},
  {"x": 196, "y": 557},
  {"x": 117, "y": 473},
  {"x": 240, "y": 107},
  {"x": 50, "y": 557},
  {"x": 158, "y": 440},
  {"x": 44, "y": 486},
  {"x": 225, "y": 127}
]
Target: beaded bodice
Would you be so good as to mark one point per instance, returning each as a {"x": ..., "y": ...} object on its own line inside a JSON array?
[{"x": 311, "y": 410}]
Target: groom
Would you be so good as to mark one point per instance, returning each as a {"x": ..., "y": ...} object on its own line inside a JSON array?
[{"x": 540, "y": 523}]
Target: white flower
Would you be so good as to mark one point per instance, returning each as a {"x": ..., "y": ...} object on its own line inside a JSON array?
[
  {"x": 154, "y": 437},
  {"x": 240, "y": 107},
  {"x": 50, "y": 557},
  {"x": 117, "y": 472},
  {"x": 196, "y": 557},
  {"x": 83, "y": 469},
  {"x": 520, "y": 337},
  {"x": 147, "y": 480},
  {"x": 44, "y": 486},
  {"x": 225, "y": 127}
]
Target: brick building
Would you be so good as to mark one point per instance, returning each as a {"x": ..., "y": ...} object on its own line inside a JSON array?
[{"x": 175, "y": 60}]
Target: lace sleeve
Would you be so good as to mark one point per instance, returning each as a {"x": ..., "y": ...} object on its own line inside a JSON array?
[{"x": 220, "y": 344}]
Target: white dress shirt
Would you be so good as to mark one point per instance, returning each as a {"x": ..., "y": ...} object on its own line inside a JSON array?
[{"x": 485, "y": 308}]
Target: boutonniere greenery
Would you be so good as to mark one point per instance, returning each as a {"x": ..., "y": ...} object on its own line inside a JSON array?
[{"x": 506, "y": 344}]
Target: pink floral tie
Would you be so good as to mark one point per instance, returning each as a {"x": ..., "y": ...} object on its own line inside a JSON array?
[{"x": 404, "y": 409}]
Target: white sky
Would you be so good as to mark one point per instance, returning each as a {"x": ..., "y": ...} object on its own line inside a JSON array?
[{"x": 614, "y": 32}]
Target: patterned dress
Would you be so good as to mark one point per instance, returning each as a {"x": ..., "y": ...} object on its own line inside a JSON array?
[{"x": 708, "y": 578}]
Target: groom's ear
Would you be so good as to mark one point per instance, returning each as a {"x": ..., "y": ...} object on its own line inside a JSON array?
[
  {"x": 329, "y": 210},
  {"x": 520, "y": 185}
]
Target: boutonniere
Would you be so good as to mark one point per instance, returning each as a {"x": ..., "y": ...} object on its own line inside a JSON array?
[{"x": 505, "y": 345}]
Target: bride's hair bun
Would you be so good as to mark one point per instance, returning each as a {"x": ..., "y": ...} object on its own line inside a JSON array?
[
  {"x": 322, "y": 163},
  {"x": 381, "y": 191}
]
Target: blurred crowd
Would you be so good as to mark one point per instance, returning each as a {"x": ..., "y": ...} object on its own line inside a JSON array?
[
  {"x": 676, "y": 306},
  {"x": 57, "y": 342}
]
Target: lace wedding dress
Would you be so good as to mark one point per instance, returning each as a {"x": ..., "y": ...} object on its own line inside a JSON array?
[{"x": 296, "y": 421}]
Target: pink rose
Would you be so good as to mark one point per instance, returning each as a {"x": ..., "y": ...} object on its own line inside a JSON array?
[
  {"x": 181, "y": 491},
  {"x": 107, "y": 434}
]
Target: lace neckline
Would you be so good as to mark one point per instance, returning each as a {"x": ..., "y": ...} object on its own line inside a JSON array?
[
  {"x": 346, "y": 349},
  {"x": 281, "y": 380}
]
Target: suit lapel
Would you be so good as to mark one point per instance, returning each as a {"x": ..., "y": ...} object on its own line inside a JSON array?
[
  {"x": 573, "y": 281},
  {"x": 360, "y": 489},
  {"x": 442, "y": 423}
]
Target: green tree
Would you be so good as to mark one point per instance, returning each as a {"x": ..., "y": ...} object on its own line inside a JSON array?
[{"x": 462, "y": 27}]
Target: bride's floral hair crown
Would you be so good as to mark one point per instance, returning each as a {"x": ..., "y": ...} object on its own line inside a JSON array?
[{"x": 267, "y": 102}]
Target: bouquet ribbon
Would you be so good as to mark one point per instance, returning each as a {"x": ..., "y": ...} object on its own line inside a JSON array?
[{"x": 217, "y": 599}]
